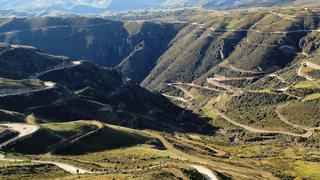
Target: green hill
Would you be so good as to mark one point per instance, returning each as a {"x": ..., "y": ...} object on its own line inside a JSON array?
[
  {"x": 79, "y": 137},
  {"x": 61, "y": 90},
  {"x": 105, "y": 42}
]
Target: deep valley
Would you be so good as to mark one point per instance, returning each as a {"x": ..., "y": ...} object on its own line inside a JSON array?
[{"x": 218, "y": 92}]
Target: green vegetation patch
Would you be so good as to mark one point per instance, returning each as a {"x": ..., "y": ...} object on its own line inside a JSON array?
[
  {"x": 70, "y": 128},
  {"x": 258, "y": 99},
  {"x": 262, "y": 117},
  {"x": 304, "y": 113},
  {"x": 17, "y": 84},
  {"x": 30, "y": 171},
  {"x": 38, "y": 143},
  {"x": 307, "y": 170},
  {"x": 50, "y": 136},
  {"x": 102, "y": 139},
  {"x": 307, "y": 84},
  {"x": 312, "y": 97},
  {"x": 314, "y": 73}
]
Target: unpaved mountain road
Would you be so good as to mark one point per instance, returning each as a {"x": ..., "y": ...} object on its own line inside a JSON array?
[
  {"x": 47, "y": 85},
  {"x": 58, "y": 67},
  {"x": 25, "y": 130},
  {"x": 221, "y": 85},
  {"x": 307, "y": 64},
  {"x": 196, "y": 86},
  {"x": 236, "y": 171},
  {"x": 185, "y": 91},
  {"x": 207, "y": 173},
  {"x": 227, "y": 65},
  {"x": 309, "y": 131},
  {"x": 202, "y": 26},
  {"x": 220, "y": 78},
  {"x": 278, "y": 77},
  {"x": 177, "y": 98},
  {"x": 256, "y": 130}
]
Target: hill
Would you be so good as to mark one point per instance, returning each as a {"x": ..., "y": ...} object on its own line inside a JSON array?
[
  {"x": 252, "y": 73},
  {"x": 105, "y": 42},
  {"x": 33, "y": 8},
  {"x": 54, "y": 88},
  {"x": 78, "y": 137},
  {"x": 234, "y": 4}
]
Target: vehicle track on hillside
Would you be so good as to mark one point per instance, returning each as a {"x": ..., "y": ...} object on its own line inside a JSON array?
[
  {"x": 202, "y": 26},
  {"x": 235, "y": 69},
  {"x": 26, "y": 130},
  {"x": 224, "y": 78},
  {"x": 279, "y": 78},
  {"x": 308, "y": 64},
  {"x": 256, "y": 130},
  {"x": 285, "y": 16},
  {"x": 220, "y": 166},
  {"x": 197, "y": 86},
  {"x": 47, "y": 84},
  {"x": 57, "y": 68},
  {"x": 309, "y": 131},
  {"x": 218, "y": 152},
  {"x": 207, "y": 173},
  {"x": 73, "y": 139},
  {"x": 228, "y": 88},
  {"x": 185, "y": 91}
]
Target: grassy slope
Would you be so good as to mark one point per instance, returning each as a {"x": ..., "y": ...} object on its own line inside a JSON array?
[
  {"x": 102, "y": 41},
  {"x": 17, "y": 170},
  {"x": 50, "y": 135}
]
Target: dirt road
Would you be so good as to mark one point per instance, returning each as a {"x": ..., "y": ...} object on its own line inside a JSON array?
[
  {"x": 207, "y": 173},
  {"x": 255, "y": 130},
  {"x": 26, "y": 130}
]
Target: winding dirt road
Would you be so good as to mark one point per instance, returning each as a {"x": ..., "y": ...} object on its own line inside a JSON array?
[
  {"x": 23, "y": 130},
  {"x": 202, "y": 26},
  {"x": 240, "y": 172},
  {"x": 223, "y": 78},
  {"x": 308, "y": 64},
  {"x": 58, "y": 67},
  {"x": 26, "y": 130},
  {"x": 47, "y": 85},
  {"x": 233, "y": 68},
  {"x": 221, "y": 85},
  {"x": 278, "y": 77},
  {"x": 185, "y": 91},
  {"x": 309, "y": 131},
  {"x": 177, "y": 98},
  {"x": 255, "y": 130},
  {"x": 197, "y": 86}
]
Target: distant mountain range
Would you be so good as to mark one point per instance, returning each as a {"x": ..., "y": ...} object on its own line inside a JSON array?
[
  {"x": 58, "y": 7},
  {"x": 99, "y": 7}
]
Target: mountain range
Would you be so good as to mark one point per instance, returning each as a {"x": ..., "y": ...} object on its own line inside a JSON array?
[
  {"x": 103, "y": 7},
  {"x": 223, "y": 90}
]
